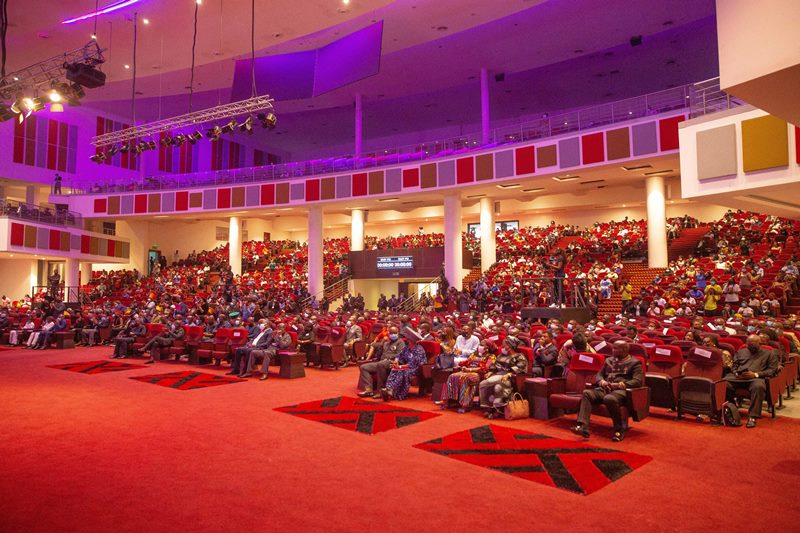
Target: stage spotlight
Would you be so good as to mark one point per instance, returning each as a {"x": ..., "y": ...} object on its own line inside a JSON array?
[
  {"x": 179, "y": 139},
  {"x": 214, "y": 133},
  {"x": 247, "y": 125},
  {"x": 268, "y": 120},
  {"x": 17, "y": 106},
  {"x": 33, "y": 104},
  {"x": 151, "y": 145},
  {"x": 125, "y": 148},
  {"x": 98, "y": 158},
  {"x": 230, "y": 126},
  {"x": 114, "y": 150},
  {"x": 167, "y": 141},
  {"x": 5, "y": 113},
  {"x": 194, "y": 137},
  {"x": 55, "y": 96}
]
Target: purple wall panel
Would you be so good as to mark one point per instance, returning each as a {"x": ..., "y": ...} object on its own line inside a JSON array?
[
  {"x": 569, "y": 152},
  {"x": 41, "y": 144},
  {"x": 42, "y": 238},
  {"x": 343, "y": 187},
  {"x": 298, "y": 191},
  {"x": 167, "y": 202},
  {"x": 75, "y": 241},
  {"x": 504, "y": 164},
  {"x": 394, "y": 180},
  {"x": 210, "y": 199},
  {"x": 252, "y": 196},
  {"x": 446, "y": 171},
  {"x": 126, "y": 204},
  {"x": 644, "y": 139}
]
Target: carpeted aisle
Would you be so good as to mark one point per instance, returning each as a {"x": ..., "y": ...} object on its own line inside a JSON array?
[{"x": 101, "y": 451}]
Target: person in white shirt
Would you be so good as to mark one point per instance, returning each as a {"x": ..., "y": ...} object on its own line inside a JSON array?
[{"x": 466, "y": 344}]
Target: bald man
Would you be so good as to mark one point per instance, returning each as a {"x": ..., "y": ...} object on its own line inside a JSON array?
[{"x": 750, "y": 366}]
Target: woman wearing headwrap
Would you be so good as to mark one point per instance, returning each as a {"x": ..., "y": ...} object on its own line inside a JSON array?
[
  {"x": 403, "y": 369},
  {"x": 461, "y": 386},
  {"x": 498, "y": 386}
]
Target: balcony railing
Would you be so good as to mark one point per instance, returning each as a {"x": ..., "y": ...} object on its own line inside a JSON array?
[
  {"x": 707, "y": 97},
  {"x": 548, "y": 126},
  {"x": 35, "y": 213}
]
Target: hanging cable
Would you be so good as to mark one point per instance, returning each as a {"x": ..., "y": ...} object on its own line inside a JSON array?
[
  {"x": 3, "y": 30},
  {"x": 194, "y": 45},
  {"x": 253, "y": 46},
  {"x": 133, "y": 85},
  {"x": 96, "y": 6}
]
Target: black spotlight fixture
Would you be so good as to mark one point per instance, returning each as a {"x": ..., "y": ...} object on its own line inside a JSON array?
[
  {"x": 114, "y": 150},
  {"x": 214, "y": 133},
  {"x": 179, "y": 139},
  {"x": 268, "y": 120},
  {"x": 126, "y": 147},
  {"x": 6, "y": 113},
  {"x": 194, "y": 137},
  {"x": 167, "y": 141},
  {"x": 151, "y": 145},
  {"x": 33, "y": 104},
  {"x": 98, "y": 158},
  {"x": 86, "y": 75},
  {"x": 18, "y": 105},
  {"x": 247, "y": 125},
  {"x": 230, "y": 126}
]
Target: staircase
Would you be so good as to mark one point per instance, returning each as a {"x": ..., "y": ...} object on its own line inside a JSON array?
[
  {"x": 473, "y": 275},
  {"x": 793, "y": 306},
  {"x": 639, "y": 275},
  {"x": 685, "y": 243}
]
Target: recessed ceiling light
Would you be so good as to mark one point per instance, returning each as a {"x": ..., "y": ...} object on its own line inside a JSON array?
[
  {"x": 146, "y": 21},
  {"x": 127, "y": 66},
  {"x": 637, "y": 167},
  {"x": 388, "y": 199},
  {"x": 658, "y": 172},
  {"x": 509, "y": 186},
  {"x": 476, "y": 196},
  {"x": 535, "y": 189},
  {"x": 591, "y": 181},
  {"x": 568, "y": 177},
  {"x": 441, "y": 28}
]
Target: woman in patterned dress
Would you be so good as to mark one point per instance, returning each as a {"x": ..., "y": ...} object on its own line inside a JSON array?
[
  {"x": 462, "y": 386},
  {"x": 404, "y": 367}
]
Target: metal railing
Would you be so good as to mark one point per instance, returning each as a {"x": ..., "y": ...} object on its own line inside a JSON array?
[
  {"x": 66, "y": 294},
  {"x": 35, "y": 213},
  {"x": 412, "y": 303},
  {"x": 549, "y": 125},
  {"x": 339, "y": 287},
  {"x": 707, "y": 97}
]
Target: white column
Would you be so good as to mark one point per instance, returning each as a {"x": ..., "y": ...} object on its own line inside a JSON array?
[
  {"x": 485, "y": 133},
  {"x": 316, "y": 281},
  {"x": 357, "y": 230},
  {"x": 358, "y": 121},
  {"x": 488, "y": 243},
  {"x": 71, "y": 271},
  {"x": 86, "y": 273},
  {"x": 452, "y": 240},
  {"x": 656, "y": 222},
  {"x": 32, "y": 194},
  {"x": 235, "y": 245}
]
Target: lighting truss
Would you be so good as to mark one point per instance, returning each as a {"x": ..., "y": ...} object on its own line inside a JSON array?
[
  {"x": 43, "y": 74},
  {"x": 194, "y": 119}
]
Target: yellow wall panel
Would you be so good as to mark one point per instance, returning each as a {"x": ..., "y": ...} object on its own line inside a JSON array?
[{"x": 765, "y": 143}]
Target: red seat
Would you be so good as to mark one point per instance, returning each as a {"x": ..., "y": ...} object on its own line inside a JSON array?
[
  {"x": 332, "y": 351},
  {"x": 702, "y": 389},
  {"x": 664, "y": 374},
  {"x": 217, "y": 349}
]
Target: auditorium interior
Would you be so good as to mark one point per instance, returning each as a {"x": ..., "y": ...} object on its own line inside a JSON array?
[{"x": 533, "y": 250}]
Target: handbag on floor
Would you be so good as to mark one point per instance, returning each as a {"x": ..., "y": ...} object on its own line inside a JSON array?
[{"x": 517, "y": 407}]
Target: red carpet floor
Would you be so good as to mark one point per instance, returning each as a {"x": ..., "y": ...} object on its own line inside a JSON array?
[{"x": 104, "y": 452}]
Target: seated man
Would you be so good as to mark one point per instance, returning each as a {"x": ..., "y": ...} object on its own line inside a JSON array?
[
  {"x": 170, "y": 334},
  {"x": 750, "y": 365},
  {"x": 59, "y": 324},
  {"x": 621, "y": 371},
  {"x": 242, "y": 353},
  {"x": 123, "y": 341},
  {"x": 466, "y": 344},
  {"x": 353, "y": 335},
  {"x": 279, "y": 341},
  {"x": 390, "y": 350},
  {"x": 545, "y": 354}
]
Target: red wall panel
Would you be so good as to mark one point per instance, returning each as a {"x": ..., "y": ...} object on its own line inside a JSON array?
[
  {"x": 140, "y": 203},
  {"x": 100, "y": 205},
  {"x": 19, "y": 142},
  {"x": 411, "y": 177},
  {"x": 593, "y": 146},
  {"x": 223, "y": 198},
  {"x": 17, "y": 234},
  {"x": 182, "y": 201},
  {"x": 525, "y": 160},
  {"x": 668, "y": 132},
  {"x": 268, "y": 194},
  {"x": 55, "y": 239},
  {"x": 85, "y": 244},
  {"x": 112, "y": 246},
  {"x": 359, "y": 185},
  {"x": 312, "y": 190},
  {"x": 465, "y": 170}
]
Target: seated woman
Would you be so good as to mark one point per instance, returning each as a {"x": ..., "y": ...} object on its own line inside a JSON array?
[
  {"x": 496, "y": 389},
  {"x": 20, "y": 335},
  {"x": 461, "y": 386},
  {"x": 404, "y": 367},
  {"x": 570, "y": 348},
  {"x": 710, "y": 341}
]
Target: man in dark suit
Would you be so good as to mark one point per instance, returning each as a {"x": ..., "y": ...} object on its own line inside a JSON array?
[
  {"x": 750, "y": 366},
  {"x": 242, "y": 354},
  {"x": 391, "y": 349},
  {"x": 621, "y": 371},
  {"x": 280, "y": 341},
  {"x": 123, "y": 341}
]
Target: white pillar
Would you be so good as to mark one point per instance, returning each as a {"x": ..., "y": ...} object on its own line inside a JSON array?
[
  {"x": 71, "y": 271},
  {"x": 86, "y": 273},
  {"x": 357, "y": 230},
  {"x": 32, "y": 194},
  {"x": 656, "y": 222},
  {"x": 452, "y": 240},
  {"x": 488, "y": 243},
  {"x": 359, "y": 127},
  {"x": 485, "y": 133},
  {"x": 235, "y": 246},
  {"x": 316, "y": 281}
]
